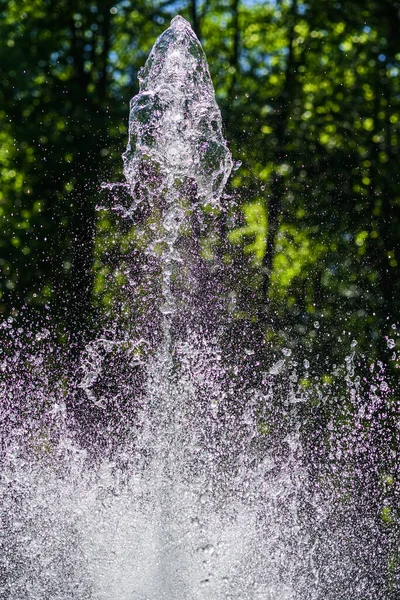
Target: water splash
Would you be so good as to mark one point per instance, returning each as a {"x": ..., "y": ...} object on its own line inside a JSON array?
[
  {"x": 175, "y": 125},
  {"x": 189, "y": 479}
]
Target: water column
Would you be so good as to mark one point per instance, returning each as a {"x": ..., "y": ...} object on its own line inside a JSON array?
[
  {"x": 177, "y": 160},
  {"x": 177, "y": 163}
]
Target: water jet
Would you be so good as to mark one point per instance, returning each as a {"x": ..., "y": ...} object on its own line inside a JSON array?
[{"x": 203, "y": 489}]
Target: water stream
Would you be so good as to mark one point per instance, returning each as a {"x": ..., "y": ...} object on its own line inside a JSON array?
[{"x": 198, "y": 491}]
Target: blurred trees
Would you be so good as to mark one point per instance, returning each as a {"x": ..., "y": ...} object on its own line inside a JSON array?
[
  {"x": 67, "y": 73},
  {"x": 310, "y": 96}
]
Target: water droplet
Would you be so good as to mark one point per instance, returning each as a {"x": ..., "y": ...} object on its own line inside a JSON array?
[
  {"x": 208, "y": 549},
  {"x": 277, "y": 367},
  {"x": 384, "y": 386}
]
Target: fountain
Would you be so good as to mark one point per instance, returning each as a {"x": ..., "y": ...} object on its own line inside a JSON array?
[{"x": 192, "y": 481}]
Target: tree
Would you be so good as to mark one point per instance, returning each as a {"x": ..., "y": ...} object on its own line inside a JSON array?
[{"x": 66, "y": 84}]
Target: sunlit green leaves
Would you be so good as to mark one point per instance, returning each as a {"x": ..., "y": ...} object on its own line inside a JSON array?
[{"x": 252, "y": 235}]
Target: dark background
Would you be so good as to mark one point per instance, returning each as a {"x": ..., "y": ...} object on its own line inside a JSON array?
[
  {"x": 309, "y": 93},
  {"x": 310, "y": 96}
]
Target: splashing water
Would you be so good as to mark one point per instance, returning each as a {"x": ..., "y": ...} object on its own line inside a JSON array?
[
  {"x": 198, "y": 489},
  {"x": 175, "y": 127}
]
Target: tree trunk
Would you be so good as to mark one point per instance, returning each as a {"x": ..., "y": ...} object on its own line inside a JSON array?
[
  {"x": 277, "y": 191},
  {"x": 195, "y": 18}
]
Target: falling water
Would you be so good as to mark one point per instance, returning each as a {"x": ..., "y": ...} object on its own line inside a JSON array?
[{"x": 197, "y": 485}]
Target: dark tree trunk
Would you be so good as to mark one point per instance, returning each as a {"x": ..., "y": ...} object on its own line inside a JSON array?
[
  {"x": 235, "y": 47},
  {"x": 74, "y": 289},
  {"x": 277, "y": 191},
  {"x": 195, "y": 18}
]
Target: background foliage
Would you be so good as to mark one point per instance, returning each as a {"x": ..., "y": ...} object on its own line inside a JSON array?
[{"x": 309, "y": 93}]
